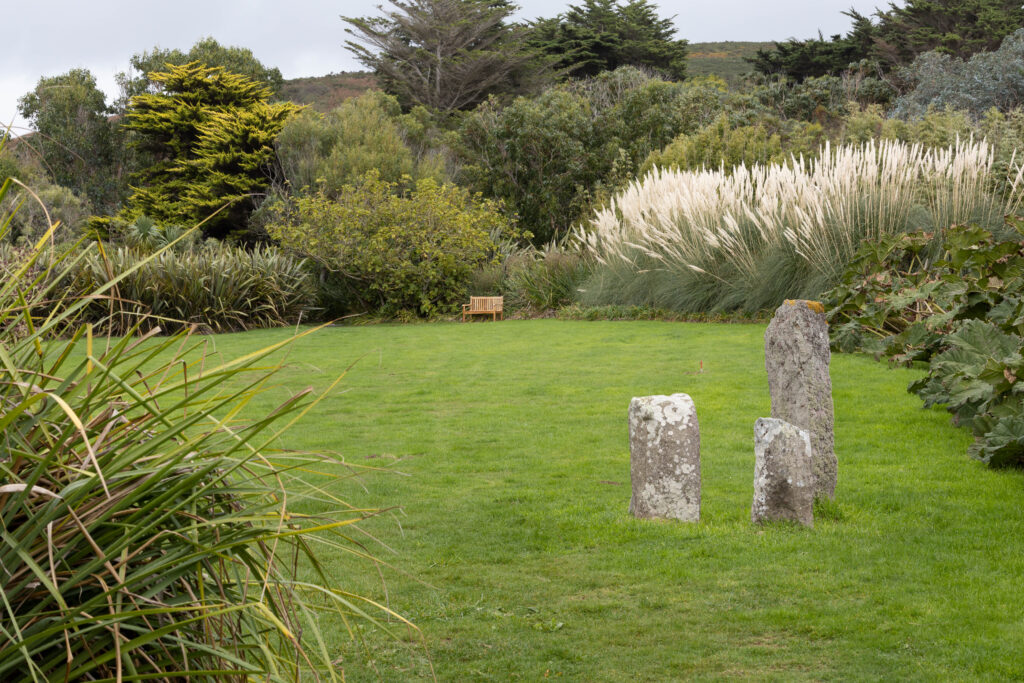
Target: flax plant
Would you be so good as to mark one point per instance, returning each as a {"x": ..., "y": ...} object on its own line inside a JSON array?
[
  {"x": 219, "y": 287},
  {"x": 708, "y": 239},
  {"x": 147, "y": 524}
]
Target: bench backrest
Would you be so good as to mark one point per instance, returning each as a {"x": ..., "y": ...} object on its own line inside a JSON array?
[{"x": 486, "y": 303}]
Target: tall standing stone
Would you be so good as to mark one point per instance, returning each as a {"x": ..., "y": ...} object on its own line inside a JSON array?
[
  {"x": 796, "y": 356},
  {"x": 783, "y": 473},
  {"x": 664, "y": 445}
]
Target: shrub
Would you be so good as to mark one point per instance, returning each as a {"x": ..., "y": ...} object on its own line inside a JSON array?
[
  {"x": 388, "y": 252},
  {"x": 987, "y": 80},
  {"x": 961, "y": 310},
  {"x": 719, "y": 145},
  {"x": 822, "y": 99},
  {"x": 539, "y": 155},
  {"x": 326, "y": 151},
  {"x": 147, "y": 527},
  {"x": 551, "y": 158},
  {"x": 736, "y": 138},
  {"x": 32, "y": 220},
  {"x": 218, "y": 287},
  {"x": 647, "y": 117},
  {"x": 708, "y": 240},
  {"x": 547, "y": 280}
]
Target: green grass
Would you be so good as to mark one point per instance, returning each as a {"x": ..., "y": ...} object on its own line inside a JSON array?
[{"x": 508, "y": 452}]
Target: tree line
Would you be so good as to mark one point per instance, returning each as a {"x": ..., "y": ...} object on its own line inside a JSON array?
[
  {"x": 894, "y": 38},
  {"x": 185, "y": 135},
  {"x": 546, "y": 118}
]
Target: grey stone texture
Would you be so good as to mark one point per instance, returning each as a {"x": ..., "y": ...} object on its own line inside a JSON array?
[
  {"x": 664, "y": 445},
  {"x": 796, "y": 356},
  {"x": 783, "y": 473}
]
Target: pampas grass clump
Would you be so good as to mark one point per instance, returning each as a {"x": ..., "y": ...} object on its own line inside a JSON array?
[{"x": 746, "y": 239}]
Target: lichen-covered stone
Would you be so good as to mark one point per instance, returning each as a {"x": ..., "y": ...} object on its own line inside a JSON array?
[
  {"x": 783, "y": 473},
  {"x": 797, "y": 356},
  {"x": 664, "y": 445}
]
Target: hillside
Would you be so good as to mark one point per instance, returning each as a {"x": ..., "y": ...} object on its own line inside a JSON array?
[
  {"x": 723, "y": 59},
  {"x": 324, "y": 93}
]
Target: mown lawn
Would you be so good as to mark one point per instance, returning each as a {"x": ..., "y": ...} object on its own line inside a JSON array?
[{"x": 509, "y": 455}]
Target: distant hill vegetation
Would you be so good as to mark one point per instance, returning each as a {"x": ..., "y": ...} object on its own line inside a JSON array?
[
  {"x": 324, "y": 93},
  {"x": 723, "y": 59}
]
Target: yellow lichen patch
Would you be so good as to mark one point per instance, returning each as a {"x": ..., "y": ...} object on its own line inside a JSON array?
[{"x": 815, "y": 306}]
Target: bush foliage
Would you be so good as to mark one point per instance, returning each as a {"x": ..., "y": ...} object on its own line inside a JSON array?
[
  {"x": 552, "y": 157},
  {"x": 392, "y": 252},
  {"x": 957, "y": 305},
  {"x": 326, "y": 151},
  {"x": 988, "y": 80},
  {"x": 50, "y": 203}
]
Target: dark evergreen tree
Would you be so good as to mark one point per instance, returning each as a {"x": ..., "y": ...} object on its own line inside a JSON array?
[
  {"x": 959, "y": 28},
  {"x": 602, "y": 35},
  {"x": 446, "y": 55},
  {"x": 800, "y": 59}
]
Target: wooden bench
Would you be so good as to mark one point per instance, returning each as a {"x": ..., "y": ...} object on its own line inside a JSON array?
[{"x": 484, "y": 305}]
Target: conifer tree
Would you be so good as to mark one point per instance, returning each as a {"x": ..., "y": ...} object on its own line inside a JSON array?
[
  {"x": 446, "y": 55},
  {"x": 602, "y": 35},
  {"x": 212, "y": 134},
  {"x": 959, "y": 28},
  {"x": 801, "y": 59}
]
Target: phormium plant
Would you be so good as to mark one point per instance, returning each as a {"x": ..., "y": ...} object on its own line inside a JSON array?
[{"x": 147, "y": 527}]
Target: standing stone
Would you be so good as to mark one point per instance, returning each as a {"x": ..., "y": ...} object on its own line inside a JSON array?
[
  {"x": 783, "y": 473},
  {"x": 796, "y": 356},
  {"x": 664, "y": 446}
]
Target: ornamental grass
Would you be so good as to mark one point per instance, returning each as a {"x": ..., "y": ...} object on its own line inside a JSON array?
[{"x": 748, "y": 238}]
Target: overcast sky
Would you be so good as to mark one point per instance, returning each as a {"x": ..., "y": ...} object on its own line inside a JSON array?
[{"x": 305, "y": 37}]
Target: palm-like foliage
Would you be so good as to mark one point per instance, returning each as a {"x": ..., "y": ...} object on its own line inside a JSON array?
[{"x": 146, "y": 531}]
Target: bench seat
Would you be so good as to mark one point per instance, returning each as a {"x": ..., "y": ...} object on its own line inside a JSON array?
[{"x": 484, "y": 305}]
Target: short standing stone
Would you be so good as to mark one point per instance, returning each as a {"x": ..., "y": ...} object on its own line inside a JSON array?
[
  {"x": 783, "y": 473},
  {"x": 796, "y": 356},
  {"x": 664, "y": 445}
]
